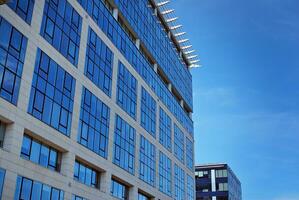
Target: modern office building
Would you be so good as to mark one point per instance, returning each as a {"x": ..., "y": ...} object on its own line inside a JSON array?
[
  {"x": 216, "y": 182},
  {"x": 95, "y": 101}
]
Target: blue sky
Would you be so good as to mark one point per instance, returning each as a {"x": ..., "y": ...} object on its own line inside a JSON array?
[{"x": 246, "y": 95}]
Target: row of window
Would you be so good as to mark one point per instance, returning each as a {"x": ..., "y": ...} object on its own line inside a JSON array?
[
  {"x": 46, "y": 156},
  {"x": 116, "y": 33},
  {"x": 153, "y": 35},
  {"x": 61, "y": 27}
]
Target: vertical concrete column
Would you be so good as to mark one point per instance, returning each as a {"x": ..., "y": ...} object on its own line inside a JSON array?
[
  {"x": 105, "y": 182},
  {"x": 115, "y": 13},
  {"x": 190, "y": 115},
  {"x": 9, "y": 186},
  {"x": 133, "y": 193},
  {"x": 137, "y": 43},
  {"x": 156, "y": 67},
  {"x": 67, "y": 169},
  {"x": 79, "y": 85},
  {"x": 182, "y": 103},
  {"x": 112, "y": 110},
  {"x": 213, "y": 181},
  {"x": 13, "y": 138},
  {"x": 155, "y": 11},
  {"x": 169, "y": 87}
]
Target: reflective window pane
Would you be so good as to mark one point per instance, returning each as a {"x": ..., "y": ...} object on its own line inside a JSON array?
[
  {"x": 61, "y": 27},
  {"x": 12, "y": 54},
  {"x": 124, "y": 145},
  {"x": 52, "y": 97}
]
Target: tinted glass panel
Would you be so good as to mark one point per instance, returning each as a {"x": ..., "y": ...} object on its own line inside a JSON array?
[
  {"x": 94, "y": 124},
  {"x": 98, "y": 62},
  {"x": 148, "y": 112},
  {"x": 165, "y": 174},
  {"x": 124, "y": 145},
  {"x": 12, "y": 54},
  {"x": 189, "y": 154},
  {"x": 165, "y": 130},
  {"x": 2, "y": 176},
  {"x": 28, "y": 189},
  {"x": 52, "y": 94},
  {"x": 126, "y": 90},
  {"x": 118, "y": 190},
  {"x": 61, "y": 27},
  {"x": 179, "y": 183},
  {"x": 83, "y": 174},
  {"x": 24, "y": 8},
  {"x": 147, "y": 161},
  {"x": 179, "y": 143},
  {"x": 39, "y": 153}
]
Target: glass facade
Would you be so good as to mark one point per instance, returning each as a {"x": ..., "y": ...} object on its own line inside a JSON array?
[
  {"x": 121, "y": 39},
  {"x": 30, "y": 189},
  {"x": 190, "y": 188},
  {"x": 12, "y": 55},
  {"x": 86, "y": 175},
  {"x": 148, "y": 112},
  {"x": 119, "y": 190},
  {"x": 98, "y": 62},
  {"x": 124, "y": 145},
  {"x": 165, "y": 174},
  {"x": 52, "y": 94},
  {"x": 179, "y": 143},
  {"x": 39, "y": 153},
  {"x": 126, "y": 90},
  {"x": 2, "y": 177},
  {"x": 165, "y": 130},
  {"x": 94, "y": 124},
  {"x": 189, "y": 154},
  {"x": 147, "y": 161},
  {"x": 179, "y": 183},
  {"x": 153, "y": 35},
  {"x": 61, "y": 27},
  {"x": 23, "y": 8}
]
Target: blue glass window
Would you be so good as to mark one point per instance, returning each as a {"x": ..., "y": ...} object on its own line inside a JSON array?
[
  {"x": 94, "y": 124},
  {"x": 165, "y": 174},
  {"x": 126, "y": 90},
  {"x": 148, "y": 112},
  {"x": 39, "y": 153},
  {"x": 147, "y": 161},
  {"x": 153, "y": 35},
  {"x": 179, "y": 183},
  {"x": 52, "y": 94},
  {"x": 61, "y": 27},
  {"x": 142, "y": 197},
  {"x": 2, "y": 177},
  {"x": 124, "y": 145},
  {"x": 98, "y": 62},
  {"x": 86, "y": 175},
  {"x": 119, "y": 190},
  {"x": 179, "y": 143},
  {"x": 165, "y": 130},
  {"x": 24, "y": 8},
  {"x": 189, "y": 154},
  {"x": 101, "y": 14},
  {"x": 12, "y": 55},
  {"x": 190, "y": 188},
  {"x": 75, "y": 197},
  {"x": 30, "y": 189}
]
